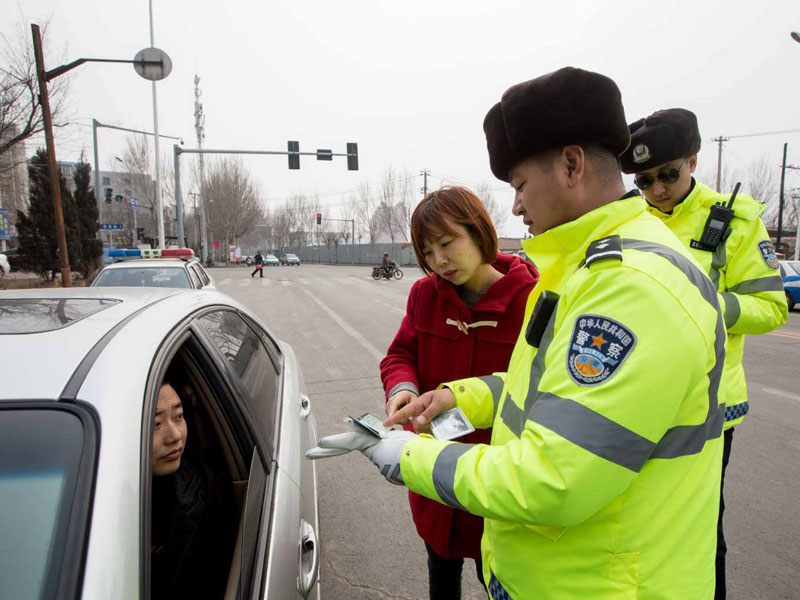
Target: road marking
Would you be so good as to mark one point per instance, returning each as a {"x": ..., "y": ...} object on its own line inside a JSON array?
[
  {"x": 794, "y": 336},
  {"x": 225, "y": 281},
  {"x": 244, "y": 282},
  {"x": 377, "y": 354},
  {"x": 304, "y": 281},
  {"x": 285, "y": 282},
  {"x": 781, "y": 393},
  {"x": 266, "y": 282}
]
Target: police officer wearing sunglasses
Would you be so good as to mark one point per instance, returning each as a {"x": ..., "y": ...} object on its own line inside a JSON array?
[{"x": 736, "y": 251}]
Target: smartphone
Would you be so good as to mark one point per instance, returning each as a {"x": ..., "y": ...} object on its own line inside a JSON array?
[{"x": 372, "y": 424}]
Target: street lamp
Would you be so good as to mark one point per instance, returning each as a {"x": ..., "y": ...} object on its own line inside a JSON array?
[{"x": 795, "y": 36}]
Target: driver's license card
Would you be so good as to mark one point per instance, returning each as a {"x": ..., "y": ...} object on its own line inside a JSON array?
[
  {"x": 451, "y": 424},
  {"x": 372, "y": 424}
]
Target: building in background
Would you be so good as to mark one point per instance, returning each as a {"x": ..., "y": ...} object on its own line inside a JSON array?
[{"x": 13, "y": 180}]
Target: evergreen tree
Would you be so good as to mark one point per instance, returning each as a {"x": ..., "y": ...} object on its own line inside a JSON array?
[
  {"x": 37, "y": 229},
  {"x": 86, "y": 205}
]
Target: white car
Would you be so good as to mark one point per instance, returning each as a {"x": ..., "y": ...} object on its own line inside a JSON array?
[
  {"x": 270, "y": 260},
  {"x": 81, "y": 378},
  {"x": 155, "y": 272},
  {"x": 5, "y": 268}
]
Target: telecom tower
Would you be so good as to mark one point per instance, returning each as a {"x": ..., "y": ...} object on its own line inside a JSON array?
[{"x": 199, "y": 127}]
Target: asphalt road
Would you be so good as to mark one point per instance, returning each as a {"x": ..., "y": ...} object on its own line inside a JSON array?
[{"x": 340, "y": 323}]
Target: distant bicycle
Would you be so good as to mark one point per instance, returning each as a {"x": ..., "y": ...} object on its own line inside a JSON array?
[{"x": 392, "y": 271}]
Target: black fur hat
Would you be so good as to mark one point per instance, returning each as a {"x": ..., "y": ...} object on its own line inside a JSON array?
[
  {"x": 663, "y": 136},
  {"x": 568, "y": 106}
]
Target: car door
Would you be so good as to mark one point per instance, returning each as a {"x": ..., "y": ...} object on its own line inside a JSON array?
[{"x": 280, "y": 526}]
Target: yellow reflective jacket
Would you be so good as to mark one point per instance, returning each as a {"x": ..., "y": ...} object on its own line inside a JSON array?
[
  {"x": 744, "y": 269},
  {"x": 602, "y": 478}
]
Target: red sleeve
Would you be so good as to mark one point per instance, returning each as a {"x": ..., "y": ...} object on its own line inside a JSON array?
[{"x": 401, "y": 360}]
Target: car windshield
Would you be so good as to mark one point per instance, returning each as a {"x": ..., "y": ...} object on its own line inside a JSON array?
[
  {"x": 291, "y": 256},
  {"x": 35, "y": 315},
  {"x": 169, "y": 277},
  {"x": 792, "y": 268},
  {"x": 40, "y": 452}
]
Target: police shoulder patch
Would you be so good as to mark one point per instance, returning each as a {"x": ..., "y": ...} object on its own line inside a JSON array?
[
  {"x": 768, "y": 254},
  {"x": 598, "y": 347},
  {"x": 607, "y": 247}
]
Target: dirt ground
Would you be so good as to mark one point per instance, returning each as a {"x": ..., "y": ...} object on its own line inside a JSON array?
[{"x": 24, "y": 281}]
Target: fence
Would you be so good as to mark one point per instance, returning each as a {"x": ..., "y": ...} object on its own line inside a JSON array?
[{"x": 356, "y": 254}]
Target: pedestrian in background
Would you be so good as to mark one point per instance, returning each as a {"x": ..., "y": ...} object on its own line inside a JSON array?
[
  {"x": 259, "y": 261},
  {"x": 740, "y": 259},
  {"x": 461, "y": 320}
]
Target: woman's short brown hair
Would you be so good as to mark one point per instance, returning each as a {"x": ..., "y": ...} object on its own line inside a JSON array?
[{"x": 457, "y": 205}]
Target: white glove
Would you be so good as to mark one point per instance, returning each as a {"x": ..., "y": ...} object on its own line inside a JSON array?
[
  {"x": 342, "y": 443},
  {"x": 386, "y": 453}
]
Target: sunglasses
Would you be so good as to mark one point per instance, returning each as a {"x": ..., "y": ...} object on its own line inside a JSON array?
[{"x": 667, "y": 175}]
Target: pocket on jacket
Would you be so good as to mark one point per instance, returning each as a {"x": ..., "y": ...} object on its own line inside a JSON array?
[{"x": 623, "y": 570}]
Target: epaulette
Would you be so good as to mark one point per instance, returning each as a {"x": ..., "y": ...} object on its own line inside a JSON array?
[{"x": 607, "y": 247}]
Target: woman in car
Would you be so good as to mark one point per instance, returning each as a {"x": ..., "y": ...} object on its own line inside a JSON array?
[
  {"x": 193, "y": 513},
  {"x": 462, "y": 320}
]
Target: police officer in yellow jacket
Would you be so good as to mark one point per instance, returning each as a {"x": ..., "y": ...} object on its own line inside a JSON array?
[
  {"x": 602, "y": 476},
  {"x": 736, "y": 251}
]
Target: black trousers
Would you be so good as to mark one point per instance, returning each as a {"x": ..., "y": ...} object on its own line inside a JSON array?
[
  {"x": 722, "y": 549},
  {"x": 261, "y": 270},
  {"x": 444, "y": 576}
]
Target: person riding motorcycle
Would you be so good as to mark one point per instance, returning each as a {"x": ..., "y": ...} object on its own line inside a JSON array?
[{"x": 387, "y": 266}]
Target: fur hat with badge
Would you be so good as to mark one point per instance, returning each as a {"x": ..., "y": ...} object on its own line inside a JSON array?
[
  {"x": 663, "y": 136},
  {"x": 565, "y": 107}
]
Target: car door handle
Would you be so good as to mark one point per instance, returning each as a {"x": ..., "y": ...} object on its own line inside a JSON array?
[
  {"x": 309, "y": 559},
  {"x": 305, "y": 406}
]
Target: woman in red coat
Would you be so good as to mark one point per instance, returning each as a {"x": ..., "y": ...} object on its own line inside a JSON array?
[{"x": 461, "y": 321}]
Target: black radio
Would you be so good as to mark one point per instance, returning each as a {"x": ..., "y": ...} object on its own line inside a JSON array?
[{"x": 717, "y": 224}]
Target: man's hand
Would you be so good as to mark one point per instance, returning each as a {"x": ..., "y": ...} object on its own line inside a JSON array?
[
  {"x": 420, "y": 411},
  {"x": 398, "y": 401},
  {"x": 342, "y": 443},
  {"x": 386, "y": 454}
]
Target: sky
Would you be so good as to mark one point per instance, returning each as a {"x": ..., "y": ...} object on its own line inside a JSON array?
[{"x": 411, "y": 81}]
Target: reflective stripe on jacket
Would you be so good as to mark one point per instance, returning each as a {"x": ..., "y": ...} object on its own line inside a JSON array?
[
  {"x": 754, "y": 300},
  {"x": 602, "y": 479}
]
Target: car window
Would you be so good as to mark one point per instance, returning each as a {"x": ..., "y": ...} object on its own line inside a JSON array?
[
  {"x": 169, "y": 277},
  {"x": 196, "y": 283},
  {"x": 34, "y": 315},
  {"x": 40, "y": 457},
  {"x": 251, "y": 363},
  {"x": 203, "y": 275}
]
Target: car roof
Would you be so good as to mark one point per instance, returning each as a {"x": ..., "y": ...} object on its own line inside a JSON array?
[{"x": 40, "y": 365}]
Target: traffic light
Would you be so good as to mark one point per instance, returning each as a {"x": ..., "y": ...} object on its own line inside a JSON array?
[
  {"x": 109, "y": 192},
  {"x": 319, "y": 218},
  {"x": 294, "y": 159},
  {"x": 216, "y": 243},
  {"x": 352, "y": 156}
]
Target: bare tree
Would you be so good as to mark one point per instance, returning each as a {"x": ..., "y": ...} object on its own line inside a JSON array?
[
  {"x": 20, "y": 109},
  {"x": 406, "y": 203},
  {"x": 364, "y": 208},
  {"x": 234, "y": 206},
  {"x": 496, "y": 212}
]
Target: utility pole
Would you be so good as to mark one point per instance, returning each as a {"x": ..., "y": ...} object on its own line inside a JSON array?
[
  {"x": 780, "y": 201},
  {"x": 199, "y": 126},
  {"x": 424, "y": 174},
  {"x": 719, "y": 141},
  {"x": 44, "y": 100}
]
